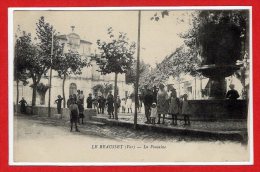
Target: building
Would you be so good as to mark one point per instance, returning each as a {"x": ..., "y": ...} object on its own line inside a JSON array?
[{"x": 85, "y": 82}]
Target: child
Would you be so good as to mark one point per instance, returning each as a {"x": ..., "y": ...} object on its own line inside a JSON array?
[
  {"x": 129, "y": 104},
  {"x": 186, "y": 110},
  {"x": 153, "y": 113},
  {"x": 174, "y": 106},
  {"x": 123, "y": 105}
]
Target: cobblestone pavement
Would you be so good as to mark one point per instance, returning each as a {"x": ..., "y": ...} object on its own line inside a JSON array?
[
  {"x": 234, "y": 125},
  {"x": 108, "y": 132},
  {"x": 111, "y": 132},
  {"x": 43, "y": 139}
]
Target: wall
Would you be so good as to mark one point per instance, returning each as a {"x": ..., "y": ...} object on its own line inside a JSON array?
[
  {"x": 65, "y": 112},
  {"x": 218, "y": 109}
]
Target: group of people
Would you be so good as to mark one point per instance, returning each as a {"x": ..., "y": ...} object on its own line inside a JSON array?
[
  {"x": 76, "y": 105},
  {"x": 100, "y": 102},
  {"x": 158, "y": 103}
]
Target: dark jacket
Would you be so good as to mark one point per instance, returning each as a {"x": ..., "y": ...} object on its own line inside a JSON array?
[{"x": 148, "y": 98}]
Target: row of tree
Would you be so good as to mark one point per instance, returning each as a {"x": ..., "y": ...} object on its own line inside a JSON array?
[
  {"x": 33, "y": 58},
  {"x": 209, "y": 37}
]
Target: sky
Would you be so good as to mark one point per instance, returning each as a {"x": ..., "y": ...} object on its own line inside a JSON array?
[{"x": 158, "y": 38}]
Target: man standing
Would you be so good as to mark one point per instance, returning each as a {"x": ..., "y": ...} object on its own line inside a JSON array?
[
  {"x": 89, "y": 101},
  {"x": 23, "y": 106},
  {"x": 81, "y": 98},
  {"x": 69, "y": 101},
  {"x": 74, "y": 115},
  {"x": 148, "y": 101},
  {"x": 110, "y": 105},
  {"x": 155, "y": 92},
  {"x": 232, "y": 94},
  {"x": 58, "y": 102},
  {"x": 101, "y": 104}
]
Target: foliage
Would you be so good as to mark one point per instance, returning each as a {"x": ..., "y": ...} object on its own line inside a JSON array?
[
  {"x": 40, "y": 62},
  {"x": 47, "y": 37},
  {"x": 69, "y": 63},
  {"x": 103, "y": 88},
  {"x": 42, "y": 88},
  {"x": 107, "y": 88},
  {"x": 98, "y": 87},
  {"x": 215, "y": 37},
  {"x": 181, "y": 61},
  {"x": 116, "y": 55},
  {"x": 24, "y": 49},
  {"x": 144, "y": 69}
]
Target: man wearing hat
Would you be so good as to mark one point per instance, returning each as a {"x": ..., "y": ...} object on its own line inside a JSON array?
[
  {"x": 232, "y": 94},
  {"x": 89, "y": 101}
]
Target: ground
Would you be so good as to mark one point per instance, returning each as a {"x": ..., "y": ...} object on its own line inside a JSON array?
[{"x": 38, "y": 139}]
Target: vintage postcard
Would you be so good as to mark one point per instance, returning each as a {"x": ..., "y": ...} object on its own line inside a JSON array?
[{"x": 130, "y": 86}]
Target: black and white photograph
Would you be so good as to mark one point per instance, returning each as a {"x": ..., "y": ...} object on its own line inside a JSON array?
[{"x": 130, "y": 86}]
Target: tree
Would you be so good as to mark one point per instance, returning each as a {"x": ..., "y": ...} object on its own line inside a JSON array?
[
  {"x": 144, "y": 69},
  {"x": 41, "y": 90},
  {"x": 181, "y": 61},
  {"x": 39, "y": 62},
  {"x": 116, "y": 56},
  {"x": 23, "y": 50},
  {"x": 107, "y": 89},
  {"x": 218, "y": 37},
  {"x": 103, "y": 88},
  {"x": 67, "y": 64},
  {"x": 98, "y": 88}
]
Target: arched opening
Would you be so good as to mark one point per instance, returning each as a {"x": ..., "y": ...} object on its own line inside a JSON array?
[{"x": 73, "y": 89}]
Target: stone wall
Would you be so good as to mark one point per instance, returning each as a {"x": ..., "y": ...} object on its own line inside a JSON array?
[
  {"x": 65, "y": 112},
  {"x": 219, "y": 109}
]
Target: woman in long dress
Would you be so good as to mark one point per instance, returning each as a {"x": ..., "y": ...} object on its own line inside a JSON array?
[{"x": 162, "y": 103}]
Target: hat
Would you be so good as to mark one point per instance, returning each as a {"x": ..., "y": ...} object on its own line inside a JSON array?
[{"x": 231, "y": 86}]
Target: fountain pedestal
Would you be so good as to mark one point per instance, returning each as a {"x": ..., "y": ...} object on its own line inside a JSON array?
[{"x": 217, "y": 75}]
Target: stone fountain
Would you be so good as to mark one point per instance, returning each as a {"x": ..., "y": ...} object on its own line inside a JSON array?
[{"x": 220, "y": 47}]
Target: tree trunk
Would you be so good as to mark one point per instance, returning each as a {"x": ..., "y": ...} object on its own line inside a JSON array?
[
  {"x": 63, "y": 91},
  {"x": 17, "y": 95},
  {"x": 115, "y": 96},
  {"x": 200, "y": 87},
  {"x": 35, "y": 83},
  {"x": 42, "y": 98},
  {"x": 34, "y": 95}
]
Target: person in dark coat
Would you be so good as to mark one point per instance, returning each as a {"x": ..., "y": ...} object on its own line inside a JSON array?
[
  {"x": 110, "y": 105},
  {"x": 58, "y": 102},
  {"x": 148, "y": 101},
  {"x": 81, "y": 112},
  {"x": 155, "y": 92},
  {"x": 89, "y": 101},
  {"x": 118, "y": 103},
  {"x": 81, "y": 98},
  {"x": 23, "y": 105},
  {"x": 232, "y": 94},
  {"x": 69, "y": 101},
  {"x": 74, "y": 114},
  {"x": 101, "y": 104}
]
